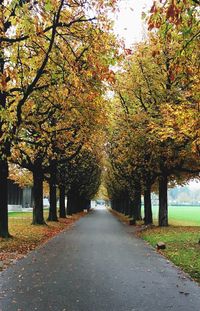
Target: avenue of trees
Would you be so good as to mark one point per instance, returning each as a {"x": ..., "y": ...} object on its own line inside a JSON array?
[
  {"x": 154, "y": 142},
  {"x": 58, "y": 59},
  {"x": 54, "y": 57}
]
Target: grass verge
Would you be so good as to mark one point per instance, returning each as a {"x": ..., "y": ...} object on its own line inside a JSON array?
[
  {"x": 182, "y": 246},
  {"x": 27, "y": 237},
  {"x": 182, "y": 243}
]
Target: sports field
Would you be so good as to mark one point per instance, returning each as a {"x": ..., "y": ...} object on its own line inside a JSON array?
[{"x": 181, "y": 215}]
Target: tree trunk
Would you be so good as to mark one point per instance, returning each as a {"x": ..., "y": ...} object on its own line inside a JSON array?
[
  {"x": 131, "y": 208},
  {"x": 78, "y": 204},
  {"x": 62, "y": 210},
  {"x": 4, "y": 233},
  {"x": 52, "y": 193},
  {"x": 112, "y": 203},
  {"x": 121, "y": 203},
  {"x": 70, "y": 203},
  {"x": 126, "y": 204},
  {"x": 137, "y": 207},
  {"x": 38, "y": 217},
  {"x": 88, "y": 205},
  {"x": 84, "y": 204},
  {"x": 4, "y": 153},
  {"x": 163, "y": 201},
  {"x": 147, "y": 206},
  {"x": 52, "y": 203}
]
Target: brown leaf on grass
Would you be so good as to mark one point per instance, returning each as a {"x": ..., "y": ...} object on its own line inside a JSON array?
[{"x": 27, "y": 237}]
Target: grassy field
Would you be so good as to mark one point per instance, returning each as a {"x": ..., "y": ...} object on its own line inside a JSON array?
[
  {"x": 27, "y": 214},
  {"x": 20, "y": 214},
  {"x": 181, "y": 215},
  {"x": 182, "y": 246},
  {"x": 181, "y": 237}
]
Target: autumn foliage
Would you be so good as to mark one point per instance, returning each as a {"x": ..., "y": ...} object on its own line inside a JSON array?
[
  {"x": 60, "y": 127},
  {"x": 55, "y": 63},
  {"x": 154, "y": 142}
]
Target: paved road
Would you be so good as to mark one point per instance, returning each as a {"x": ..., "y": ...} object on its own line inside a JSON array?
[{"x": 98, "y": 265}]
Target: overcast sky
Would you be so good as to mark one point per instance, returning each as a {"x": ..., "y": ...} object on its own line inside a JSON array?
[{"x": 128, "y": 21}]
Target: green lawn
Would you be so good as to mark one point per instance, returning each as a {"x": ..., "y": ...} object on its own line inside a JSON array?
[
  {"x": 181, "y": 215},
  {"x": 182, "y": 246},
  {"x": 181, "y": 237},
  {"x": 26, "y": 215},
  {"x": 19, "y": 214}
]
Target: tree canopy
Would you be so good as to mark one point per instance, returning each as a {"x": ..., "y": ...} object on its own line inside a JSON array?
[{"x": 75, "y": 103}]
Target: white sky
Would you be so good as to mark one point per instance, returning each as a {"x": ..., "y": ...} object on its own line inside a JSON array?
[
  {"x": 195, "y": 185},
  {"x": 128, "y": 22}
]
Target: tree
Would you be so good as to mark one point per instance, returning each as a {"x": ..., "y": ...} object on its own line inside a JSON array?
[
  {"x": 29, "y": 34},
  {"x": 159, "y": 83},
  {"x": 85, "y": 177}
]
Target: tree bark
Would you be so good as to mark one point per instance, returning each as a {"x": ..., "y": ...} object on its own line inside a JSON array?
[
  {"x": 4, "y": 153},
  {"x": 4, "y": 233},
  {"x": 147, "y": 205},
  {"x": 38, "y": 217},
  {"x": 84, "y": 204},
  {"x": 137, "y": 204},
  {"x": 70, "y": 203},
  {"x": 121, "y": 203},
  {"x": 131, "y": 208},
  {"x": 52, "y": 193},
  {"x": 62, "y": 210},
  {"x": 163, "y": 201},
  {"x": 126, "y": 204},
  {"x": 88, "y": 205},
  {"x": 78, "y": 204},
  {"x": 121, "y": 200},
  {"x": 52, "y": 202}
]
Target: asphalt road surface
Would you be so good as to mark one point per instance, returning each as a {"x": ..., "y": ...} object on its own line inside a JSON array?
[{"x": 98, "y": 265}]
